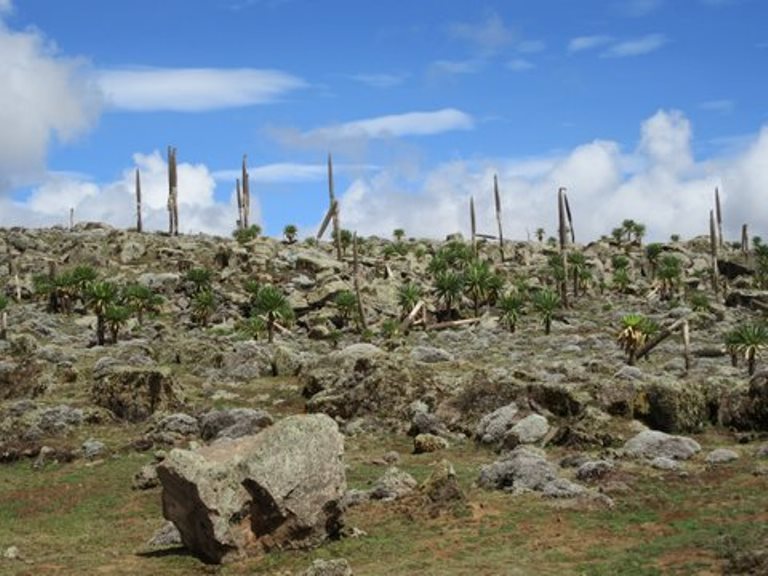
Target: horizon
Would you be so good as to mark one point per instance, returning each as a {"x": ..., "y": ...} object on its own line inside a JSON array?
[{"x": 640, "y": 108}]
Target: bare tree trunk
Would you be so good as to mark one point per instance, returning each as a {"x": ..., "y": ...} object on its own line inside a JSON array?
[
  {"x": 335, "y": 211},
  {"x": 663, "y": 334},
  {"x": 408, "y": 320},
  {"x": 713, "y": 255},
  {"x": 497, "y": 200},
  {"x": 687, "y": 345},
  {"x": 473, "y": 224},
  {"x": 173, "y": 191},
  {"x": 563, "y": 237},
  {"x": 744, "y": 241},
  {"x": 719, "y": 217},
  {"x": 246, "y": 199},
  {"x": 239, "y": 194},
  {"x": 363, "y": 325},
  {"x": 138, "y": 202}
]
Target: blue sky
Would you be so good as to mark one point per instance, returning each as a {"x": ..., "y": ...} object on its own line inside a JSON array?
[{"x": 639, "y": 107}]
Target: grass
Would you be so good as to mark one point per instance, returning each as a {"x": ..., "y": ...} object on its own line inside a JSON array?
[{"x": 84, "y": 518}]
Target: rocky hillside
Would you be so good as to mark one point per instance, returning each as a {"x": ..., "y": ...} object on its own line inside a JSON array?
[{"x": 139, "y": 341}]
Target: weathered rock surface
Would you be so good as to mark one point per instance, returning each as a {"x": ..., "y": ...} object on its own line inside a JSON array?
[
  {"x": 135, "y": 393},
  {"x": 335, "y": 567},
  {"x": 233, "y": 423},
  {"x": 426, "y": 443},
  {"x": 492, "y": 427},
  {"x": 652, "y": 444},
  {"x": 522, "y": 468},
  {"x": 722, "y": 456},
  {"x": 278, "y": 489},
  {"x": 393, "y": 484}
]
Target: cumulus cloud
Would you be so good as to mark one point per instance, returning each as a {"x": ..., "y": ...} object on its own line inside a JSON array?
[
  {"x": 658, "y": 183},
  {"x": 193, "y": 89},
  {"x": 43, "y": 97},
  {"x": 114, "y": 202},
  {"x": 581, "y": 43},
  {"x": 489, "y": 35},
  {"x": 5, "y": 6},
  {"x": 380, "y": 80},
  {"x": 520, "y": 65}
]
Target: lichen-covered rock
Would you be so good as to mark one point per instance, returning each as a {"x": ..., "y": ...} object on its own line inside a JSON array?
[
  {"x": 135, "y": 393},
  {"x": 426, "y": 443},
  {"x": 674, "y": 406},
  {"x": 335, "y": 567},
  {"x": 722, "y": 456},
  {"x": 653, "y": 443},
  {"x": 430, "y": 354},
  {"x": 492, "y": 427},
  {"x": 278, "y": 489},
  {"x": 393, "y": 484},
  {"x": 441, "y": 488},
  {"x": 233, "y": 423},
  {"x": 529, "y": 430},
  {"x": 521, "y": 469}
]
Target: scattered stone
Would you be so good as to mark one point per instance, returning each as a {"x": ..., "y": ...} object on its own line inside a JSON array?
[
  {"x": 166, "y": 536},
  {"x": 652, "y": 443},
  {"x": 392, "y": 457},
  {"x": 179, "y": 424},
  {"x": 521, "y": 469},
  {"x": 426, "y": 443},
  {"x": 762, "y": 451},
  {"x": 233, "y": 423},
  {"x": 430, "y": 354},
  {"x": 442, "y": 486},
  {"x": 93, "y": 449},
  {"x": 594, "y": 470},
  {"x": 529, "y": 430},
  {"x": 665, "y": 463},
  {"x": 11, "y": 553},
  {"x": 492, "y": 427},
  {"x": 281, "y": 488},
  {"x": 562, "y": 488},
  {"x": 722, "y": 456},
  {"x": 59, "y": 420},
  {"x": 355, "y": 497},
  {"x": 629, "y": 373},
  {"x": 674, "y": 406},
  {"x": 146, "y": 478},
  {"x": 335, "y": 567},
  {"x": 423, "y": 422},
  {"x": 393, "y": 484}
]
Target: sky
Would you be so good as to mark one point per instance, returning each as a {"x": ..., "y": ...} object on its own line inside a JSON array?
[{"x": 640, "y": 108}]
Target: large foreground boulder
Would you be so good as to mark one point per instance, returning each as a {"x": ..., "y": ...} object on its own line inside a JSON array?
[
  {"x": 134, "y": 393},
  {"x": 278, "y": 489}
]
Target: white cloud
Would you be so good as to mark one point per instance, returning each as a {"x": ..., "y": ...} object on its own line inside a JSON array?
[
  {"x": 456, "y": 67},
  {"x": 114, "y": 202},
  {"x": 520, "y": 65},
  {"x": 193, "y": 89},
  {"x": 724, "y": 106},
  {"x": 637, "y": 47},
  {"x": 588, "y": 42},
  {"x": 43, "y": 97},
  {"x": 489, "y": 35},
  {"x": 380, "y": 127},
  {"x": 531, "y": 46},
  {"x": 6, "y": 6},
  {"x": 659, "y": 183},
  {"x": 380, "y": 80}
]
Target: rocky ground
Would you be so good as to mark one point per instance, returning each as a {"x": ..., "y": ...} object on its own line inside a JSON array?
[{"x": 465, "y": 450}]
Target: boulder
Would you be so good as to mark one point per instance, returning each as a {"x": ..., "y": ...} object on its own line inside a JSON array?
[
  {"x": 393, "y": 484},
  {"x": 746, "y": 407},
  {"x": 233, "y": 423},
  {"x": 442, "y": 486},
  {"x": 335, "y": 567},
  {"x": 430, "y": 354},
  {"x": 492, "y": 427},
  {"x": 521, "y": 469},
  {"x": 652, "y": 444},
  {"x": 529, "y": 430},
  {"x": 674, "y": 407},
  {"x": 278, "y": 489},
  {"x": 722, "y": 456},
  {"x": 135, "y": 393},
  {"x": 426, "y": 443}
]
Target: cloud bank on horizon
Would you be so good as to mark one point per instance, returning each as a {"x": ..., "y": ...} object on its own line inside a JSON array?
[{"x": 50, "y": 101}]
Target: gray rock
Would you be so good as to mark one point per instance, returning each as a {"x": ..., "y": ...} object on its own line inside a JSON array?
[
  {"x": 722, "y": 456},
  {"x": 762, "y": 451},
  {"x": 393, "y": 484},
  {"x": 59, "y": 419},
  {"x": 179, "y": 424},
  {"x": 430, "y": 354},
  {"x": 594, "y": 470},
  {"x": 355, "y": 497},
  {"x": 629, "y": 373},
  {"x": 426, "y": 443},
  {"x": 530, "y": 429},
  {"x": 426, "y": 423},
  {"x": 134, "y": 393},
  {"x": 146, "y": 478},
  {"x": 335, "y": 567},
  {"x": 652, "y": 443},
  {"x": 233, "y": 423},
  {"x": 281, "y": 488},
  {"x": 92, "y": 449},
  {"x": 11, "y": 553},
  {"x": 521, "y": 469},
  {"x": 166, "y": 536},
  {"x": 562, "y": 488},
  {"x": 664, "y": 463},
  {"x": 492, "y": 427}
]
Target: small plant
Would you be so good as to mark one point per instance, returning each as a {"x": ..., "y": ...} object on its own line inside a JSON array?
[
  {"x": 477, "y": 279},
  {"x": 408, "y": 296},
  {"x": 511, "y": 307},
  {"x": 449, "y": 286},
  {"x": 142, "y": 300},
  {"x": 398, "y": 234},
  {"x": 200, "y": 278},
  {"x": 579, "y": 268},
  {"x": 652, "y": 253},
  {"x": 670, "y": 273},
  {"x": 390, "y": 329},
  {"x": 245, "y": 235},
  {"x": 747, "y": 340},
  {"x": 699, "y": 301},
  {"x": 621, "y": 280},
  {"x": 619, "y": 262},
  {"x": 540, "y": 235},
  {"x": 545, "y": 302},
  {"x": 290, "y": 232},
  {"x": 346, "y": 304},
  {"x": 254, "y": 327},
  {"x": 99, "y": 297},
  {"x": 116, "y": 317},
  {"x": 203, "y": 307},
  {"x": 634, "y": 333},
  {"x": 271, "y": 303}
]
